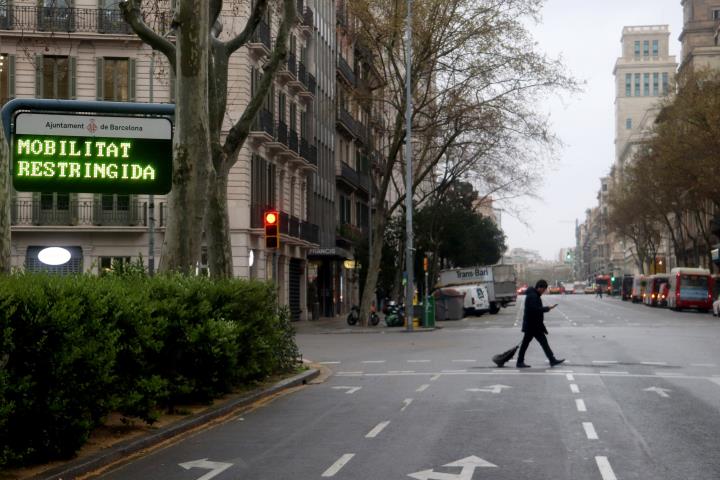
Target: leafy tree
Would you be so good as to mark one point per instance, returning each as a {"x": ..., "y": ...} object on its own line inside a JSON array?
[
  {"x": 5, "y": 215},
  {"x": 475, "y": 75},
  {"x": 222, "y": 151}
]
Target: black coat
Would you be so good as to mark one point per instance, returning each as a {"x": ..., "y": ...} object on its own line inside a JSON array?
[{"x": 534, "y": 313}]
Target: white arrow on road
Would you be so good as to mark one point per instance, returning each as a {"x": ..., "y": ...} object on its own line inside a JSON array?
[
  {"x": 660, "y": 391},
  {"x": 468, "y": 465},
  {"x": 490, "y": 389},
  {"x": 350, "y": 390},
  {"x": 216, "y": 468}
]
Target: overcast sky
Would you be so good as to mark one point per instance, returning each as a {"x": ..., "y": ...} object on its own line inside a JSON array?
[{"x": 587, "y": 35}]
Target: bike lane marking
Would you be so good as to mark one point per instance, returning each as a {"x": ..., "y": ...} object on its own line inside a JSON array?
[
  {"x": 338, "y": 465},
  {"x": 378, "y": 428}
]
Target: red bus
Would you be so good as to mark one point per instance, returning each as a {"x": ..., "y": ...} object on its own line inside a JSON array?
[
  {"x": 690, "y": 288},
  {"x": 652, "y": 289},
  {"x": 603, "y": 282}
]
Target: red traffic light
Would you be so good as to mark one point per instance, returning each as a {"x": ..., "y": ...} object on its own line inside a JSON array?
[
  {"x": 272, "y": 233},
  {"x": 270, "y": 218}
]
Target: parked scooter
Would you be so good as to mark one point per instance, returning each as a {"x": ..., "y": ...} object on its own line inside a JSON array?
[
  {"x": 354, "y": 316},
  {"x": 394, "y": 314}
]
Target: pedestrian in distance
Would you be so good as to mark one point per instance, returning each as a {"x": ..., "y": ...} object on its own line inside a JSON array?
[{"x": 534, "y": 326}]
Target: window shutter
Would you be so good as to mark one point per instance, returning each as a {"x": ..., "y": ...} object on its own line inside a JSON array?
[
  {"x": 11, "y": 76},
  {"x": 131, "y": 80},
  {"x": 72, "y": 66},
  {"x": 99, "y": 76},
  {"x": 38, "y": 76}
]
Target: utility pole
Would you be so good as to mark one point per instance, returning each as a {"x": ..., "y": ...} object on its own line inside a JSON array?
[
  {"x": 151, "y": 197},
  {"x": 409, "y": 287}
]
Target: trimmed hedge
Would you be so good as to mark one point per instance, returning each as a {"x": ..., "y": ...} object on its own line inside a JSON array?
[{"x": 73, "y": 349}]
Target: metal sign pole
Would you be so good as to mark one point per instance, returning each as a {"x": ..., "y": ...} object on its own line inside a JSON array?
[{"x": 408, "y": 174}]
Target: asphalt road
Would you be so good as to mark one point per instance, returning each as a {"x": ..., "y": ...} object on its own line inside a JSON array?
[{"x": 638, "y": 398}]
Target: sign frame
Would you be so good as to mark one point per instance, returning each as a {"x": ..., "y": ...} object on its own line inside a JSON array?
[{"x": 123, "y": 111}]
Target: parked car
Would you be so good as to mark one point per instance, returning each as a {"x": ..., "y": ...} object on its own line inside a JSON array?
[
  {"x": 477, "y": 301},
  {"x": 589, "y": 290},
  {"x": 555, "y": 290},
  {"x": 569, "y": 288}
]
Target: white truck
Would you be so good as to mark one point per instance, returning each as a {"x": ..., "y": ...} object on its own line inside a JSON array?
[{"x": 499, "y": 280}]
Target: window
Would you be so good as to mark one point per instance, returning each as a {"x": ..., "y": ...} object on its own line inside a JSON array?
[
  {"x": 716, "y": 14},
  {"x": 637, "y": 48},
  {"x": 637, "y": 84},
  {"x": 665, "y": 83},
  {"x": 628, "y": 84},
  {"x": 628, "y": 123},
  {"x": 263, "y": 183},
  {"x": 282, "y": 100},
  {"x": 656, "y": 84},
  {"x": 108, "y": 263},
  {"x": 646, "y": 84},
  {"x": 55, "y": 77},
  {"x": 116, "y": 79},
  {"x": 656, "y": 48},
  {"x": 293, "y": 117},
  {"x": 646, "y": 48},
  {"x": 7, "y": 77}
]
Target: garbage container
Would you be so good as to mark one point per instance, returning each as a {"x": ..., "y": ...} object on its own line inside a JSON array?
[
  {"x": 448, "y": 304},
  {"x": 429, "y": 317}
]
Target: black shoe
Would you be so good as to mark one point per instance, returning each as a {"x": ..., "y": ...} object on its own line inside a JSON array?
[
  {"x": 499, "y": 364},
  {"x": 522, "y": 365},
  {"x": 556, "y": 361}
]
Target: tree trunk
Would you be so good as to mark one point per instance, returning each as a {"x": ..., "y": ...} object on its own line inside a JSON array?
[
  {"x": 373, "y": 271},
  {"x": 5, "y": 214},
  {"x": 191, "y": 159},
  {"x": 217, "y": 229}
]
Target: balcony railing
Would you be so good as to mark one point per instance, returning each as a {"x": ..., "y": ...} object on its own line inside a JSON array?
[
  {"x": 312, "y": 84},
  {"x": 346, "y": 71},
  {"x": 304, "y": 148},
  {"x": 83, "y": 213},
  {"x": 308, "y": 17},
  {"x": 64, "y": 19},
  {"x": 264, "y": 122},
  {"x": 345, "y": 120},
  {"x": 293, "y": 141},
  {"x": 262, "y": 34},
  {"x": 302, "y": 75},
  {"x": 310, "y": 232},
  {"x": 349, "y": 175},
  {"x": 282, "y": 133}
]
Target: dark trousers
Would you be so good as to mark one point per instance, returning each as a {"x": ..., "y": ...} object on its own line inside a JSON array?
[{"x": 542, "y": 340}]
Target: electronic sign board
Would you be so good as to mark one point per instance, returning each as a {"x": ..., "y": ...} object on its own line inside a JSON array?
[{"x": 91, "y": 154}]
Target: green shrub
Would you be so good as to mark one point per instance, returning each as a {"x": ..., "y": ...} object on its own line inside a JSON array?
[{"x": 73, "y": 349}]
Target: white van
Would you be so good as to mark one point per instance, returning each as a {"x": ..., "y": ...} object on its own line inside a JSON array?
[{"x": 476, "y": 300}]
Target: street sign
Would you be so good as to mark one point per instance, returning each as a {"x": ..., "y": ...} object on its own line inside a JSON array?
[
  {"x": 91, "y": 154},
  {"x": 489, "y": 389},
  {"x": 468, "y": 465},
  {"x": 216, "y": 468}
]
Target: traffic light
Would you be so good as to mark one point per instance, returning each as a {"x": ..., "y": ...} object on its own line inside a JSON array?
[
  {"x": 612, "y": 279},
  {"x": 272, "y": 232}
]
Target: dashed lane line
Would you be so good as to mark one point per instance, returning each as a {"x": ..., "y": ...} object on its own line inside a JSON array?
[
  {"x": 378, "y": 428},
  {"x": 570, "y": 377},
  {"x": 406, "y": 403},
  {"x": 418, "y": 361},
  {"x": 526, "y": 373},
  {"x": 590, "y": 431},
  {"x": 454, "y": 371},
  {"x": 604, "y": 361},
  {"x": 423, "y": 387},
  {"x": 465, "y": 360},
  {"x": 329, "y": 363},
  {"x": 605, "y": 469},
  {"x": 614, "y": 372},
  {"x": 580, "y": 404},
  {"x": 338, "y": 465},
  {"x": 434, "y": 377},
  {"x": 373, "y": 361},
  {"x": 400, "y": 371},
  {"x": 574, "y": 388},
  {"x": 653, "y": 363}
]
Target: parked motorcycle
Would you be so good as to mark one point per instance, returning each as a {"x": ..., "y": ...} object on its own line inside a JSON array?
[
  {"x": 354, "y": 316},
  {"x": 394, "y": 314}
]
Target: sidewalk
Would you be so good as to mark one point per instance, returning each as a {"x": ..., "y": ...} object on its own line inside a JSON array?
[{"x": 339, "y": 325}]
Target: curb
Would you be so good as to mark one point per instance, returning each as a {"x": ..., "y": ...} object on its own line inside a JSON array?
[{"x": 81, "y": 466}]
